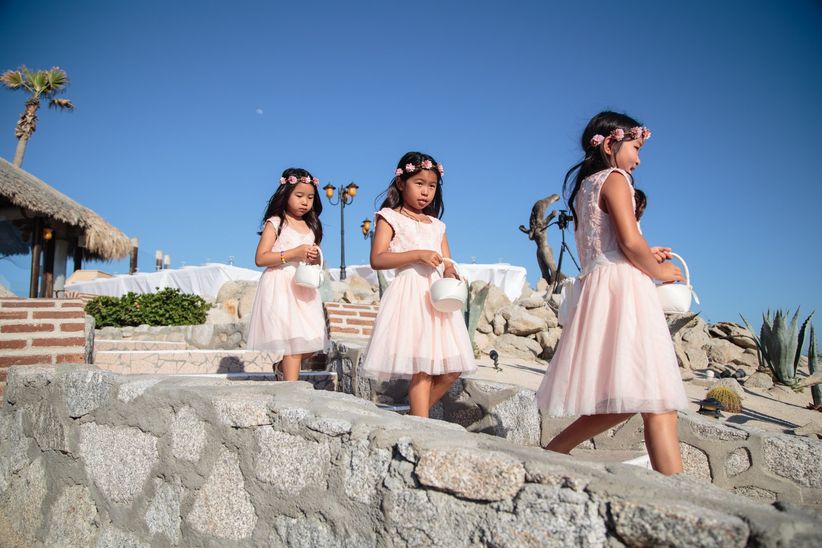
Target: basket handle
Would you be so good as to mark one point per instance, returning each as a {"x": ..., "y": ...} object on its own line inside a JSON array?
[
  {"x": 453, "y": 262},
  {"x": 687, "y": 273}
]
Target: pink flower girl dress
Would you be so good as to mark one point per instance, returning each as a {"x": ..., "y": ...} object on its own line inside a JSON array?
[
  {"x": 286, "y": 318},
  {"x": 410, "y": 336},
  {"x": 615, "y": 354}
]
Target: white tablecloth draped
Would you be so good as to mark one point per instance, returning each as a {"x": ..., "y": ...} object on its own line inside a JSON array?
[
  {"x": 508, "y": 278},
  {"x": 203, "y": 280}
]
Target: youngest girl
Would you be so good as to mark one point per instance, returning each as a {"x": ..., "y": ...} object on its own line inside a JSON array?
[{"x": 288, "y": 318}]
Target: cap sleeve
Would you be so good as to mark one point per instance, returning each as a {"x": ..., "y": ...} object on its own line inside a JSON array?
[
  {"x": 389, "y": 215},
  {"x": 275, "y": 222}
]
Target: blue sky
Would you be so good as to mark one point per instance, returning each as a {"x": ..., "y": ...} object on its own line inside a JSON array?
[{"x": 188, "y": 111}]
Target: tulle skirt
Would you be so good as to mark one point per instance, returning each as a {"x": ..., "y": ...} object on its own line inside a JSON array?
[
  {"x": 616, "y": 354},
  {"x": 410, "y": 336},
  {"x": 286, "y": 318}
]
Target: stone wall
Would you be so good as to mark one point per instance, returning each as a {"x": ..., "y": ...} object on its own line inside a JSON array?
[
  {"x": 41, "y": 331},
  {"x": 89, "y": 458}
]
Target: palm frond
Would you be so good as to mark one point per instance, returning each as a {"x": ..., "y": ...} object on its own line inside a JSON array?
[
  {"x": 12, "y": 79},
  {"x": 57, "y": 80},
  {"x": 65, "y": 104}
]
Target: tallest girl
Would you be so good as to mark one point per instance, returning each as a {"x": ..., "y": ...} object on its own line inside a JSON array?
[{"x": 615, "y": 357}]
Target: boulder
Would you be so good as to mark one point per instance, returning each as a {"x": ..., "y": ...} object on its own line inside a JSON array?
[
  {"x": 522, "y": 324},
  {"x": 723, "y": 352},
  {"x": 546, "y": 313},
  {"x": 518, "y": 347},
  {"x": 529, "y": 302},
  {"x": 734, "y": 333},
  {"x": 759, "y": 380},
  {"x": 498, "y": 324},
  {"x": 360, "y": 289},
  {"x": 548, "y": 341},
  {"x": 542, "y": 284},
  {"x": 495, "y": 300}
]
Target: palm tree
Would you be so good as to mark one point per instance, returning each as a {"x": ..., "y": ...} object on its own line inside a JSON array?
[{"x": 42, "y": 84}]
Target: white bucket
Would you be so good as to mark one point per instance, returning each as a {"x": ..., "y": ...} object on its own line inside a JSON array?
[
  {"x": 676, "y": 297},
  {"x": 449, "y": 294},
  {"x": 310, "y": 275}
]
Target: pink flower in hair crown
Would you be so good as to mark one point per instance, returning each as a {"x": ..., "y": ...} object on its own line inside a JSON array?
[
  {"x": 292, "y": 179},
  {"x": 398, "y": 172},
  {"x": 409, "y": 168},
  {"x": 440, "y": 168},
  {"x": 596, "y": 140},
  {"x": 282, "y": 180},
  {"x": 426, "y": 164},
  {"x": 618, "y": 134}
]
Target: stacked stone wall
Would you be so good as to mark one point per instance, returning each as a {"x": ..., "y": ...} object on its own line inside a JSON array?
[{"x": 89, "y": 458}]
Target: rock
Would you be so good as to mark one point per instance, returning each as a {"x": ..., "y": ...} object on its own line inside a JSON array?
[
  {"x": 670, "y": 524},
  {"x": 759, "y": 380},
  {"x": 794, "y": 458},
  {"x": 360, "y": 289},
  {"x": 737, "y": 461},
  {"x": 542, "y": 284},
  {"x": 311, "y": 532},
  {"x": 734, "y": 333},
  {"x": 812, "y": 429},
  {"x": 290, "y": 463},
  {"x": 73, "y": 518},
  {"x": 516, "y": 418},
  {"x": 85, "y": 389},
  {"x": 163, "y": 514},
  {"x": 117, "y": 459},
  {"x": 50, "y": 429},
  {"x": 246, "y": 303},
  {"x": 531, "y": 301},
  {"x": 731, "y": 383},
  {"x": 234, "y": 290},
  {"x": 134, "y": 389},
  {"x": 547, "y": 314},
  {"x": 686, "y": 374},
  {"x": 13, "y": 446},
  {"x": 473, "y": 475},
  {"x": 365, "y": 470},
  {"x": 495, "y": 300},
  {"x": 21, "y": 504},
  {"x": 498, "y": 324},
  {"x": 88, "y": 332},
  {"x": 522, "y": 324},
  {"x": 710, "y": 429},
  {"x": 243, "y": 410},
  {"x": 221, "y": 315},
  {"x": 519, "y": 347},
  {"x": 188, "y": 435},
  {"x": 222, "y": 507},
  {"x": 723, "y": 352},
  {"x": 484, "y": 342},
  {"x": 695, "y": 462},
  {"x": 483, "y": 325},
  {"x": 548, "y": 341}
]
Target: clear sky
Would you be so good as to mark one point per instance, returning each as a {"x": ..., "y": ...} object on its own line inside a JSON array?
[{"x": 187, "y": 112}]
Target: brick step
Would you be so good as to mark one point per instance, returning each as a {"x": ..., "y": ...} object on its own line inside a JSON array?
[
  {"x": 129, "y": 344},
  {"x": 173, "y": 362}
]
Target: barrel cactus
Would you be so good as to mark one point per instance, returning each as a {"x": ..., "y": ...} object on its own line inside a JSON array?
[
  {"x": 780, "y": 344},
  {"x": 730, "y": 400}
]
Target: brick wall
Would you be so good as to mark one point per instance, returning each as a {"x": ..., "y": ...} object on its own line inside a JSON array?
[
  {"x": 350, "y": 320},
  {"x": 49, "y": 331}
]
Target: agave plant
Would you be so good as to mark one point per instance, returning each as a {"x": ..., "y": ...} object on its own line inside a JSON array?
[
  {"x": 780, "y": 344},
  {"x": 814, "y": 367}
]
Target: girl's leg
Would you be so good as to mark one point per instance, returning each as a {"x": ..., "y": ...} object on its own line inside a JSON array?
[
  {"x": 290, "y": 367},
  {"x": 440, "y": 386},
  {"x": 584, "y": 428},
  {"x": 419, "y": 394},
  {"x": 662, "y": 442}
]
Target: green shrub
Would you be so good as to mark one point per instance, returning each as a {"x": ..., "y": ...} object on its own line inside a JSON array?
[{"x": 165, "y": 307}]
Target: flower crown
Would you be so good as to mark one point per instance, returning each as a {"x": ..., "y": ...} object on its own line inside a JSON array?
[
  {"x": 292, "y": 180},
  {"x": 411, "y": 168},
  {"x": 619, "y": 134}
]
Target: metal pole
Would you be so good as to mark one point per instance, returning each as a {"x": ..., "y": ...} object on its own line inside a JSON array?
[{"x": 342, "y": 233}]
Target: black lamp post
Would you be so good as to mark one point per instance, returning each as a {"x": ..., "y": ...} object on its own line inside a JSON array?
[{"x": 345, "y": 195}]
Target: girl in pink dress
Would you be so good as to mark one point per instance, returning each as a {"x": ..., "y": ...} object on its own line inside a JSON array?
[
  {"x": 615, "y": 357},
  {"x": 288, "y": 318},
  {"x": 411, "y": 339}
]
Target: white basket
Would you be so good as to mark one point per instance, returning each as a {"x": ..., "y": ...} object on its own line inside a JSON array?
[
  {"x": 676, "y": 297},
  {"x": 310, "y": 275},
  {"x": 449, "y": 294}
]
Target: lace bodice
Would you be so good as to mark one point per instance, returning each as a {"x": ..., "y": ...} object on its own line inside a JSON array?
[
  {"x": 410, "y": 234},
  {"x": 289, "y": 238},
  {"x": 595, "y": 235}
]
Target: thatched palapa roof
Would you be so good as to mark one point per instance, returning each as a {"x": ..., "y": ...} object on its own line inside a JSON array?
[{"x": 19, "y": 188}]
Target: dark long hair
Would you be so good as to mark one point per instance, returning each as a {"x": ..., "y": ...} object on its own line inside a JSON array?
[
  {"x": 278, "y": 201},
  {"x": 393, "y": 194},
  {"x": 595, "y": 158}
]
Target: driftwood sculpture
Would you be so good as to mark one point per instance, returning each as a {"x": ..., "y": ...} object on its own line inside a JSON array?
[{"x": 537, "y": 232}]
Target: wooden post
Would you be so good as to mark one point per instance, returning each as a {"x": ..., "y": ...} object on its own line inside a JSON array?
[
  {"x": 48, "y": 269},
  {"x": 78, "y": 252},
  {"x": 36, "y": 252},
  {"x": 132, "y": 265}
]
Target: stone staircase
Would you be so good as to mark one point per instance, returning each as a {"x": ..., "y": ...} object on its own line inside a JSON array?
[{"x": 135, "y": 357}]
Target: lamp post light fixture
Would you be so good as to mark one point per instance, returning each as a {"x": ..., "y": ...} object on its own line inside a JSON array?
[
  {"x": 365, "y": 226},
  {"x": 345, "y": 195}
]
